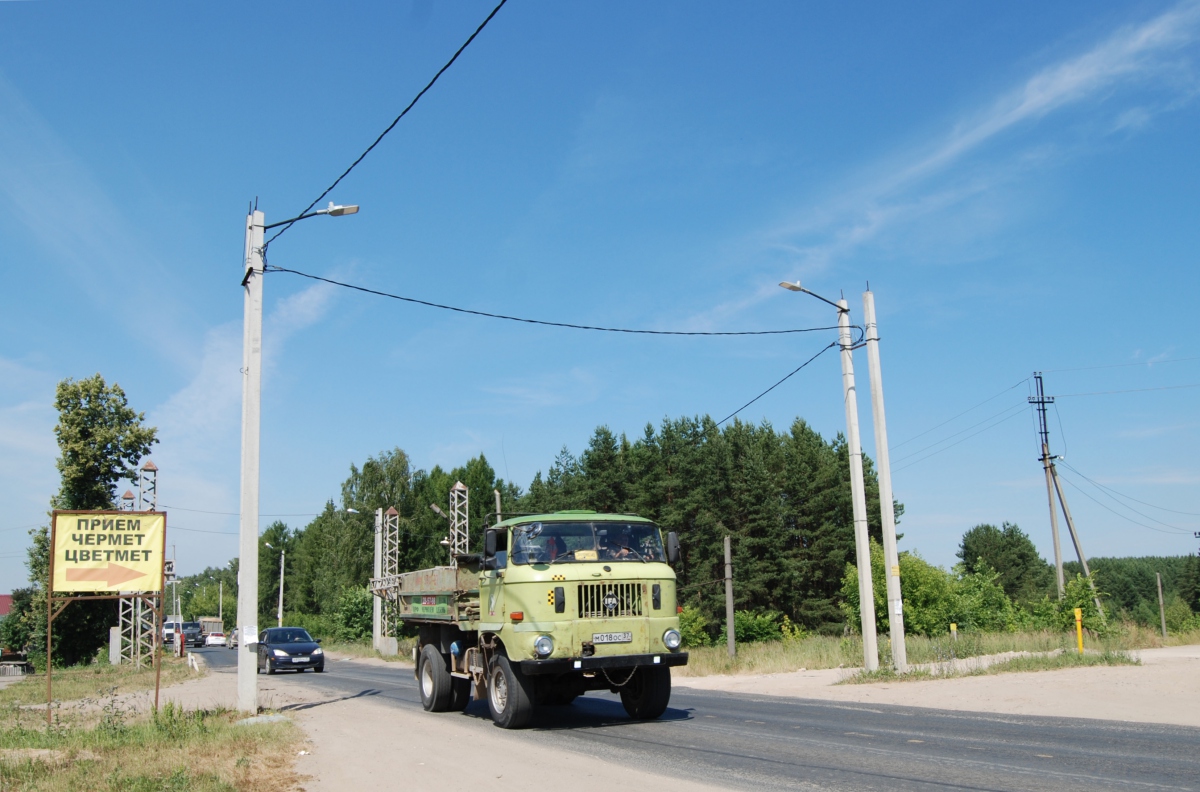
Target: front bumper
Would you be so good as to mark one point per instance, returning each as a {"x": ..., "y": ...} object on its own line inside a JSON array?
[
  {"x": 570, "y": 664},
  {"x": 283, "y": 664}
]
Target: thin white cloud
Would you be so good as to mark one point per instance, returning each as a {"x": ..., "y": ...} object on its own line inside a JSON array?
[{"x": 1130, "y": 56}]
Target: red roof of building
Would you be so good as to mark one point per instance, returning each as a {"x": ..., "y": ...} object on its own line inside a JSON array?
[{"x": 5, "y": 604}]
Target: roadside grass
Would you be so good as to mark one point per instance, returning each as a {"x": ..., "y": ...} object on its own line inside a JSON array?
[
  {"x": 1035, "y": 662},
  {"x": 92, "y": 681},
  {"x": 170, "y": 750},
  {"x": 820, "y": 651},
  {"x": 365, "y": 649}
]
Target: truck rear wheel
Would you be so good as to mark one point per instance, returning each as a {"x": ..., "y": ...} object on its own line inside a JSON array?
[
  {"x": 646, "y": 694},
  {"x": 433, "y": 680},
  {"x": 510, "y": 699}
]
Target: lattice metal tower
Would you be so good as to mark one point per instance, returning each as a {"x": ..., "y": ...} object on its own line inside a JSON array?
[
  {"x": 391, "y": 568},
  {"x": 458, "y": 519},
  {"x": 148, "y": 487}
]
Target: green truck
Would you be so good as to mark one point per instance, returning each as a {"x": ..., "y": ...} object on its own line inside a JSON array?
[{"x": 555, "y": 605}]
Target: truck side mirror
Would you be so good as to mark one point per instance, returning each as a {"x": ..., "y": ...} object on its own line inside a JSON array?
[
  {"x": 672, "y": 548},
  {"x": 489, "y": 544}
]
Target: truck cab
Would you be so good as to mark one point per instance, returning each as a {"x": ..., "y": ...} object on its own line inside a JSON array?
[{"x": 555, "y": 606}]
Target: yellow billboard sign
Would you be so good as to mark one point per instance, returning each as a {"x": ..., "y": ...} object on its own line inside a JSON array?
[{"x": 108, "y": 551}]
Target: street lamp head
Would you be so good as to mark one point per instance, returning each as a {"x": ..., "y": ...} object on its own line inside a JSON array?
[
  {"x": 792, "y": 286},
  {"x": 338, "y": 211},
  {"x": 352, "y": 511},
  {"x": 268, "y": 544}
]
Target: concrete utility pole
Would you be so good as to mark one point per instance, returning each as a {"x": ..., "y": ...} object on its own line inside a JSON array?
[
  {"x": 1041, "y": 401},
  {"x": 377, "y": 601},
  {"x": 1162, "y": 612},
  {"x": 862, "y": 545},
  {"x": 282, "y": 557},
  {"x": 247, "y": 610},
  {"x": 1087, "y": 573},
  {"x": 891, "y": 558},
  {"x": 729, "y": 631},
  {"x": 862, "y": 542}
]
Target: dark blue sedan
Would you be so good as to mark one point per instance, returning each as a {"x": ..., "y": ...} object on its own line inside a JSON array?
[{"x": 289, "y": 648}]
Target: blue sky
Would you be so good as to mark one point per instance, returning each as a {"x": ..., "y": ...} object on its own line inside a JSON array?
[{"x": 1018, "y": 182}]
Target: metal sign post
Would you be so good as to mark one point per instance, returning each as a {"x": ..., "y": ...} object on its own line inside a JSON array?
[{"x": 99, "y": 551}]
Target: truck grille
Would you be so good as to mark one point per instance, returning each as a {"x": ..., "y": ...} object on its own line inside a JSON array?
[{"x": 608, "y": 600}]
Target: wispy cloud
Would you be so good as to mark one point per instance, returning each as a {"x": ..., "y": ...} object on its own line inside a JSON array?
[{"x": 1130, "y": 56}]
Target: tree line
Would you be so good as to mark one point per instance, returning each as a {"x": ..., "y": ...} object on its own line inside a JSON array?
[{"x": 782, "y": 496}]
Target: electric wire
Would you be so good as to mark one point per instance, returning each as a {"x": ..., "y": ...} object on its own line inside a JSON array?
[
  {"x": 961, "y": 414},
  {"x": 1147, "y": 363},
  {"x": 1095, "y": 483},
  {"x": 1132, "y": 390},
  {"x": 392, "y": 125},
  {"x": 947, "y": 448},
  {"x": 777, "y": 384},
  {"x": 1061, "y": 432},
  {"x": 568, "y": 325},
  {"x": 1083, "y": 492},
  {"x": 956, "y": 434},
  {"x": 236, "y": 514}
]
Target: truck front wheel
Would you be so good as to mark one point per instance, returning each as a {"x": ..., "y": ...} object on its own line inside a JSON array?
[
  {"x": 510, "y": 699},
  {"x": 646, "y": 694},
  {"x": 433, "y": 679}
]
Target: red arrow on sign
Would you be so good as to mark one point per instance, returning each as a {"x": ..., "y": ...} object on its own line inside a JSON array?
[{"x": 112, "y": 576}]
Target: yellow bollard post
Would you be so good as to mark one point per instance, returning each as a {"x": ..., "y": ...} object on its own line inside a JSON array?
[
  {"x": 954, "y": 631},
  {"x": 1079, "y": 628}
]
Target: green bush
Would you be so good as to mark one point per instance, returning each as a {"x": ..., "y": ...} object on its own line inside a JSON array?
[
  {"x": 756, "y": 626},
  {"x": 355, "y": 610},
  {"x": 693, "y": 627}
]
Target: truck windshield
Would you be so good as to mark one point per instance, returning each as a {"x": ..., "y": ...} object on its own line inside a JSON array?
[{"x": 575, "y": 542}]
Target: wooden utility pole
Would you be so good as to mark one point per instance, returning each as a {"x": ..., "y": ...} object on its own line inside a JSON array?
[{"x": 729, "y": 599}]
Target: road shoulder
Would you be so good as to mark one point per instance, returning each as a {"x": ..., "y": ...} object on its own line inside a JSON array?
[{"x": 1164, "y": 689}]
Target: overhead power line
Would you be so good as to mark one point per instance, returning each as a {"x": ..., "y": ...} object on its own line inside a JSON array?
[
  {"x": 956, "y": 434},
  {"x": 1132, "y": 390},
  {"x": 235, "y": 514},
  {"x": 392, "y": 125},
  {"x": 968, "y": 437},
  {"x": 1095, "y": 483},
  {"x": 545, "y": 323},
  {"x": 1146, "y": 363},
  {"x": 1173, "y": 531},
  {"x": 777, "y": 384},
  {"x": 961, "y": 414}
]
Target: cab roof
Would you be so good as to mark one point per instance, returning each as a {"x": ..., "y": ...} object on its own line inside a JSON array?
[{"x": 571, "y": 515}]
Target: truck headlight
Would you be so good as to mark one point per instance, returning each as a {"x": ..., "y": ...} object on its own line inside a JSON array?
[
  {"x": 672, "y": 639},
  {"x": 544, "y": 646}
]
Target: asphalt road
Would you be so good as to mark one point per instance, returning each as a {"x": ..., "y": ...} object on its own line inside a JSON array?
[{"x": 763, "y": 742}]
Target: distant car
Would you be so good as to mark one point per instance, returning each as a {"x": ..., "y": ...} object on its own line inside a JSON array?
[
  {"x": 214, "y": 639},
  {"x": 289, "y": 647},
  {"x": 231, "y": 640},
  {"x": 192, "y": 636},
  {"x": 169, "y": 631}
]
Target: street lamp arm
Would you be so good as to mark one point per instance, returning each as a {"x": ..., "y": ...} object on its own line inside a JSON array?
[
  {"x": 796, "y": 287},
  {"x": 331, "y": 210}
]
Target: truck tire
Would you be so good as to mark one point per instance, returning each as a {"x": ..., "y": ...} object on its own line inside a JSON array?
[
  {"x": 646, "y": 694},
  {"x": 510, "y": 695},
  {"x": 433, "y": 680}
]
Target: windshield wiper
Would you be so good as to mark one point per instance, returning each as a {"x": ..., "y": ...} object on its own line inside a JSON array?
[{"x": 560, "y": 556}]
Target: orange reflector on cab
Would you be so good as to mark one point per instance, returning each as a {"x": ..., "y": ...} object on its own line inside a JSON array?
[{"x": 517, "y": 616}]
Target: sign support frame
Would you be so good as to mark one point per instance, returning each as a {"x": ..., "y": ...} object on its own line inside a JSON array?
[{"x": 52, "y": 612}]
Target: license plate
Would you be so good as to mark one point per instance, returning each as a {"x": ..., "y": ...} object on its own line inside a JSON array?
[
  {"x": 605, "y": 638},
  {"x": 300, "y": 659}
]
